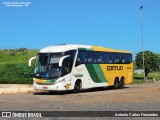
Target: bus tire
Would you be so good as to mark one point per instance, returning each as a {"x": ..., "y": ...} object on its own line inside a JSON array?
[
  {"x": 77, "y": 87},
  {"x": 121, "y": 83},
  {"x": 116, "y": 84}
]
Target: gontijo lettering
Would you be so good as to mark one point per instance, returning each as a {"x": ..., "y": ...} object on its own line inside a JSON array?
[{"x": 111, "y": 68}]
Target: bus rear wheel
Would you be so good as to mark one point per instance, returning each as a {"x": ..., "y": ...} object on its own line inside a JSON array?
[
  {"x": 77, "y": 87},
  {"x": 116, "y": 84},
  {"x": 121, "y": 84}
]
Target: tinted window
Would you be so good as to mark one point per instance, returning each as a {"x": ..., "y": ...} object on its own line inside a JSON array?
[
  {"x": 116, "y": 58},
  {"x": 123, "y": 58},
  {"x": 71, "y": 53},
  {"x": 129, "y": 58},
  {"x": 109, "y": 58},
  {"x": 92, "y": 57},
  {"x": 99, "y": 57},
  {"x": 68, "y": 62}
]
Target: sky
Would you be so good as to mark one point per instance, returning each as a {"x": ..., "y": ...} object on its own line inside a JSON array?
[{"x": 108, "y": 23}]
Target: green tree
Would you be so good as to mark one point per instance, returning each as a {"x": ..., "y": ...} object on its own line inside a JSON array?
[{"x": 151, "y": 61}]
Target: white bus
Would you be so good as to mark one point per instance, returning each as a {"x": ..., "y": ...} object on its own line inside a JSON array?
[{"x": 76, "y": 67}]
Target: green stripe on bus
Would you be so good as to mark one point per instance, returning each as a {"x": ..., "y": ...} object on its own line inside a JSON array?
[
  {"x": 92, "y": 73},
  {"x": 50, "y": 81},
  {"x": 100, "y": 73}
]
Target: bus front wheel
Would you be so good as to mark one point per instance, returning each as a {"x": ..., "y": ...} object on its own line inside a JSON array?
[{"x": 77, "y": 87}]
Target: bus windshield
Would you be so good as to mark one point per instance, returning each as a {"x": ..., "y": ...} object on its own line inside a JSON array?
[{"x": 47, "y": 65}]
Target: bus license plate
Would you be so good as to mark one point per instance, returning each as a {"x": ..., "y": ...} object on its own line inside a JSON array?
[{"x": 45, "y": 87}]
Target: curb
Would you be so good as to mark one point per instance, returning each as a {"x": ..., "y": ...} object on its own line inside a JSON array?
[{"x": 16, "y": 88}]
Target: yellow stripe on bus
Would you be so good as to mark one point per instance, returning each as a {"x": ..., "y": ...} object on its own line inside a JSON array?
[
  {"x": 98, "y": 48},
  {"x": 39, "y": 80}
]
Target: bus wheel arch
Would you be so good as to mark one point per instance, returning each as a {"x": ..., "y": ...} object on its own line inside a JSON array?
[
  {"x": 77, "y": 86},
  {"x": 116, "y": 83}
]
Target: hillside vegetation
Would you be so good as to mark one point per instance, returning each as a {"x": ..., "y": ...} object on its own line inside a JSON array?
[
  {"x": 14, "y": 66},
  {"x": 16, "y": 57}
]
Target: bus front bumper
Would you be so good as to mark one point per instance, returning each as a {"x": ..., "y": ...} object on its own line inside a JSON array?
[{"x": 54, "y": 87}]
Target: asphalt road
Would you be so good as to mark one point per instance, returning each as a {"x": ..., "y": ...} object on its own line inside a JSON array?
[{"x": 142, "y": 97}]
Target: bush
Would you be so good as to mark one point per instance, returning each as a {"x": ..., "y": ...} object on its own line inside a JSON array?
[
  {"x": 15, "y": 73},
  {"x": 25, "y": 71}
]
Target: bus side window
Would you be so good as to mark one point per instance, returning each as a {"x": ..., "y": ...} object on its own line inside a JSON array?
[
  {"x": 87, "y": 57},
  {"x": 79, "y": 59},
  {"x": 107, "y": 58},
  {"x": 67, "y": 66},
  {"x": 99, "y": 57},
  {"x": 129, "y": 58},
  {"x": 102, "y": 57},
  {"x": 123, "y": 59},
  {"x": 94, "y": 58},
  {"x": 110, "y": 59},
  {"x": 117, "y": 58}
]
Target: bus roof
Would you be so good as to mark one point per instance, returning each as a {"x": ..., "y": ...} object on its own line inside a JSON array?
[{"x": 67, "y": 47}]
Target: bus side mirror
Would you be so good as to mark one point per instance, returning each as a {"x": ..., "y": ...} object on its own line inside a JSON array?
[
  {"x": 30, "y": 61},
  {"x": 61, "y": 60}
]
